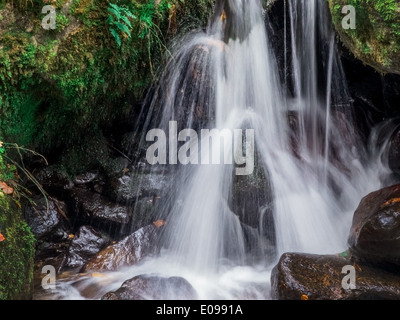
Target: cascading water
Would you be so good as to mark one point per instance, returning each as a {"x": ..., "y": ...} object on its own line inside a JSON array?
[{"x": 310, "y": 168}]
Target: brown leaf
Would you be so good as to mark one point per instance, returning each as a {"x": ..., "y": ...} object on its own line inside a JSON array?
[
  {"x": 159, "y": 223},
  {"x": 6, "y": 189},
  {"x": 223, "y": 16},
  {"x": 390, "y": 202},
  {"x": 97, "y": 275}
]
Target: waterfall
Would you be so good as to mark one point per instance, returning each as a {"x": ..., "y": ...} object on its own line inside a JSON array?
[
  {"x": 313, "y": 168},
  {"x": 227, "y": 227}
]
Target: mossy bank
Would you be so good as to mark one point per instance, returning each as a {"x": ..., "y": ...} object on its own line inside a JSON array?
[
  {"x": 16, "y": 252},
  {"x": 61, "y": 89},
  {"x": 376, "y": 38}
]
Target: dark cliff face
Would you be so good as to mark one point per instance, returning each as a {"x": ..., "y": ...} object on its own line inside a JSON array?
[{"x": 375, "y": 96}]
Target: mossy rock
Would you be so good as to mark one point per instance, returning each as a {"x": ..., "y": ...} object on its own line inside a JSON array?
[
  {"x": 376, "y": 39},
  {"x": 16, "y": 252},
  {"x": 57, "y": 86}
]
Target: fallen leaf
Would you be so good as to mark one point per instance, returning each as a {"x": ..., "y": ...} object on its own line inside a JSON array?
[
  {"x": 390, "y": 202},
  {"x": 6, "y": 189},
  {"x": 223, "y": 16},
  {"x": 159, "y": 223},
  {"x": 2, "y": 238},
  {"x": 97, "y": 275}
]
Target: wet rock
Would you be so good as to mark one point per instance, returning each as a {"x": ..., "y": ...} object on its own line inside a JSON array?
[
  {"x": 394, "y": 151},
  {"x": 85, "y": 244},
  {"x": 375, "y": 232},
  {"x": 93, "y": 206},
  {"x": 315, "y": 277},
  {"x": 117, "y": 166},
  {"x": 53, "y": 179},
  {"x": 47, "y": 219},
  {"x": 144, "y": 212},
  {"x": 250, "y": 194},
  {"x": 121, "y": 189},
  {"x": 129, "y": 187},
  {"x": 128, "y": 251},
  {"x": 51, "y": 248},
  {"x": 153, "y": 287},
  {"x": 251, "y": 200},
  {"x": 41, "y": 270},
  {"x": 86, "y": 178}
]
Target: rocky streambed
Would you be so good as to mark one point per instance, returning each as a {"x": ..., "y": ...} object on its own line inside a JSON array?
[{"x": 90, "y": 235}]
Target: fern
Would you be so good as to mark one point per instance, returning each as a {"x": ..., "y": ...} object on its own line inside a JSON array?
[
  {"x": 118, "y": 21},
  {"x": 116, "y": 36}
]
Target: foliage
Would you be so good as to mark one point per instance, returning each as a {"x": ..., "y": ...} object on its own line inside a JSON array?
[
  {"x": 16, "y": 253},
  {"x": 58, "y": 87},
  {"x": 376, "y": 39},
  {"x": 11, "y": 182},
  {"x": 16, "y": 247},
  {"x": 118, "y": 20}
]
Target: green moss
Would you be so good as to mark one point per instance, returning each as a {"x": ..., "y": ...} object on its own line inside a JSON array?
[
  {"x": 376, "y": 39},
  {"x": 16, "y": 253},
  {"x": 56, "y": 86}
]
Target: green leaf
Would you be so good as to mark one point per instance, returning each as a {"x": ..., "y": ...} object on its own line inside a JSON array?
[
  {"x": 114, "y": 12},
  {"x": 116, "y": 36},
  {"x": 126, "y": 20},
  {"x": 123, "y": 28},
  {"x": 114, "y": 6}
]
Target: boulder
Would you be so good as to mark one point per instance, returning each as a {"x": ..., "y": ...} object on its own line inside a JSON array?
[
  {"x": 94, "y": 207},
  {"x": 394, "y": 151},
  {"x": 128, "y": 251},
  {"x": 319, "y": 277},
  {"x": 376, "y": 37},
  {"x": 144, "y": 212},
  {"x": 129, "y": 187},
  {"x": 375, "y": 231},
  {"x": 251, "y": 199},
  {"x": 85, "y": 244},
  {"x": 53, "y": 179},
  {"x": 153, "y": 287},
  {"x": 47, "y": 219},
  {"x": 86, "y": 178}
]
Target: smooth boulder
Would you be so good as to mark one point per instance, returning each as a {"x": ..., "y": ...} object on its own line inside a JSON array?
[
  {"x": 319, "y": 277},
  {"x": 375, "y": 231},
  {"x": 153, "y": 287},
  {"x": 128, "y": 251}
]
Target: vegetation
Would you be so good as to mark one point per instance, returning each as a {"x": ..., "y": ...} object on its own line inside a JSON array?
[
  {"x": 16, "y": 240},
  {"x": 376, "y": 39},
  {"x": 61, "y": 89},
  {"x": 16, "y": 252}
]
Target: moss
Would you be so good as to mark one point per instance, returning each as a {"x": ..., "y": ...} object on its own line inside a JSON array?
[
  {"x": 56, "y": 86},
  {"x": 16, "y": 253},
  {"x": 376, "y": 39}
]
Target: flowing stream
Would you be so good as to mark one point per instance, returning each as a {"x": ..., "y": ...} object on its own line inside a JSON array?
[{"x": 310, "y": 168}]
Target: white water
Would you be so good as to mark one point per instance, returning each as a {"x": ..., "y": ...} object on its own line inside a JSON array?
[{"x": 204, "y": 240}]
